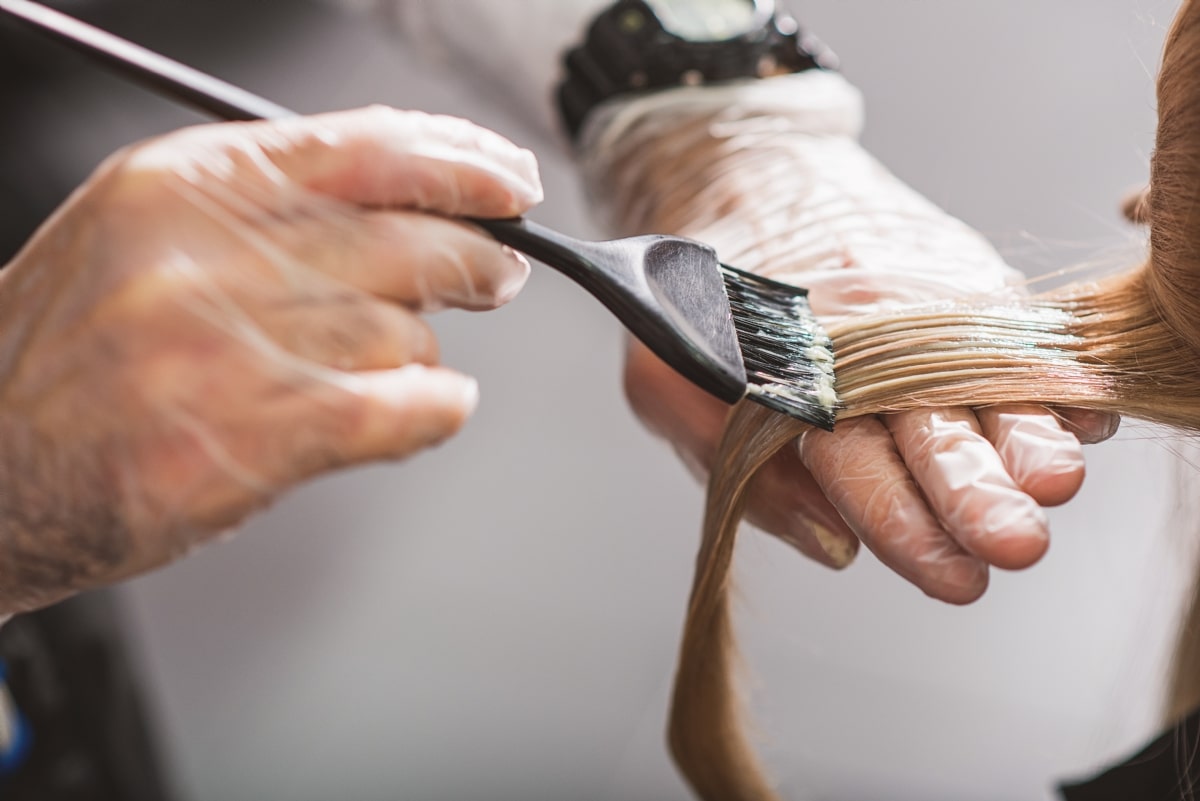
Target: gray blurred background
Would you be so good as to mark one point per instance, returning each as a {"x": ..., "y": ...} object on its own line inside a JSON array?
[{"x": 499, "y": 619}]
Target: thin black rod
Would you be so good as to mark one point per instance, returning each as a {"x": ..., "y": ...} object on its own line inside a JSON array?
[{"x": 159, "y": 73}]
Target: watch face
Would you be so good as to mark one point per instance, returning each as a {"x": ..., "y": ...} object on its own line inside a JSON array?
[{"x": 710, "y": 20}]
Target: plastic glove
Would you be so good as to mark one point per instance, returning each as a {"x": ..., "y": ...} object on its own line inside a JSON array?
[
  {"x": 770, "y": 173},
  {"x": 221, "y": 313}
]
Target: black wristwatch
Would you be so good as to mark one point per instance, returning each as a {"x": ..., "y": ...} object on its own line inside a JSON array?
[{"x": 645, "y": 45}]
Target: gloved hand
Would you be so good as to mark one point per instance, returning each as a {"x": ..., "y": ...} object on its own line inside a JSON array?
[
  {"x": 226, "y": 311},
  {"x": 770, "y": 173}
]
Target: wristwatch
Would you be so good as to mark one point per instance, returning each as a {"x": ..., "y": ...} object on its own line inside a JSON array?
[{"x": 644, "y": 45}]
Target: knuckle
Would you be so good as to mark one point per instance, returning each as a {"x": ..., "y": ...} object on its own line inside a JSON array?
[
  {"x": 402, "y": 129},
  {"x": 383, "y": 111},
  {"x": 142, "y": 176},
  {"x": 154, "y": 292},
  {"x": 455, "y": 130},
  {"x": 382, "y": 117},
  {"x": 132, "y": 176}
]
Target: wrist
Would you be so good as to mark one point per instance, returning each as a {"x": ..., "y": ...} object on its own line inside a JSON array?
[
  {"x": 658, "y": 162},
  {"x": 814, "y": 102}
]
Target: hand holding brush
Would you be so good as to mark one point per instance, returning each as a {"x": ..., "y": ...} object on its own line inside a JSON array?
[
  {"x": 733, "y": 334},
  {"x": 224, "y": 312},
  {"x": 280, "y": 266}
]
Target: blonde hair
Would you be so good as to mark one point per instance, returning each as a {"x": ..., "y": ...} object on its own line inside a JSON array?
[{"x": 1128, "y": 344}]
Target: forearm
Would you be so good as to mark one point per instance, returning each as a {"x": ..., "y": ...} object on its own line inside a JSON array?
[{"x": 772, "y": 175}]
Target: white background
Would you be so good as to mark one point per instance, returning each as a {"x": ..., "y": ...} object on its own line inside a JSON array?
[{"x": 498, "y": 619}]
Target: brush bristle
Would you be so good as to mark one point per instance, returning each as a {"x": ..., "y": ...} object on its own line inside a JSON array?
[{"x": 788, "y": 356}]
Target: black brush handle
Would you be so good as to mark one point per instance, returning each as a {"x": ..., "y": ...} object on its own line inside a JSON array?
[
  {"x": 613, "y": 272},
  {"x": 191, "y": 86},
  {"x": 602, "y": 268}
]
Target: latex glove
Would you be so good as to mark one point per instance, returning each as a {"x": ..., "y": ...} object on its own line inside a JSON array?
[
  {"x": 771, "y": 174},
  {"x": 226, "y": 311}
]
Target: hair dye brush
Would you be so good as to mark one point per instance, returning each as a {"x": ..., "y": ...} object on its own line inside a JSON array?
[{"x": 731, "y": 333}]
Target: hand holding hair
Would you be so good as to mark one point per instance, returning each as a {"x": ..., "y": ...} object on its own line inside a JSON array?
[
  {"x": 778, "y": 184},
  {"x": 226, "y": 311},
  {"x": 1125, "y": 344}
]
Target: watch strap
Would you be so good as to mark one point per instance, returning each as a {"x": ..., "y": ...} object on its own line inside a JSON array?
[{"x": 626, "y": 50}]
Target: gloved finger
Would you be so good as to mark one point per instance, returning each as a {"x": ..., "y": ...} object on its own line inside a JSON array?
[
  {"x": 864, "y": 477},
  {"x": 316, "y": 424},
  {"x": 782, "y": 498},
  {"x": 1044, "y": 460},
  {"x": 347, "y": 330},
  {"x": 313, "y": 317},
  {"x": 367, "y": 416},
  {"x": 1088, "y": 425},
  {"x": 395, "y": 413},
  {"x": 419, "y": 260},
  {"x": 379, "y": 156},
  {"x": 968, "y": 486}
]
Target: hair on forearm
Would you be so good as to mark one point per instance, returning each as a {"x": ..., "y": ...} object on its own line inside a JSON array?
[{"x": 59, "y": 531}]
